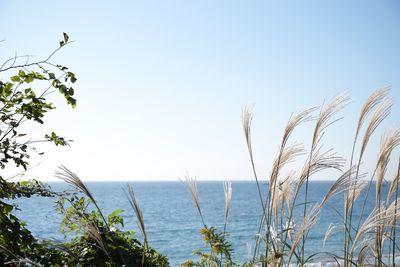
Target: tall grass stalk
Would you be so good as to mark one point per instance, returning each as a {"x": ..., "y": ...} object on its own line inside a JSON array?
[
  {"x": 228, "y": 198},
  {"x": 139, "y": 215},
  {"x": 247, "y": 117},
  {"x": 191, "y": 185},
  {"x": 284, "y": 156},
  {"x": 323, "y": 121},
  {"x": 369, "y": 105},
  {"x": 396, "y": 182},
  {"x": 73, "y": 179},
  {"x": 389, "y": 142}
]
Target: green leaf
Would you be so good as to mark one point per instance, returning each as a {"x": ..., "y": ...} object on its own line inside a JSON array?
[
  {"x": 114, "y": 218},
  {"x": 29, "y": 78},
  {"x": 7, "y": 209},
  {"x": 52, "y": 76},
  {"x": 24, "y": 183},
  {"x": 115, "y": 213},
  {"x": 15, "y": 78},
  {"x": 21, "y": 73},
  {"x": 66, "y": 37},
  {"x": 71, "y": 101}
]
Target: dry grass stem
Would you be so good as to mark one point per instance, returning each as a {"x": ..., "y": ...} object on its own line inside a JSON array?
[
  {"x": 389, "y": 142},
  {"x": 340, "y": 185},
  {"x": 295, "y": 121},
  {"x": 191, "y": 185},
  {"x": 308, "y": 222},
  {"x": 328, "y": 233},
  {"x": 94, "y": 233},
  {"x": 393, "y": 186},
  {"x": 363, "y": 254},
  {"x": 372, "y": 101},
  {"x": 138, "y": 213},
  {"x": 247, "y": 117},
  {"x": 379, "y": 217},
  {"x": 379, "y": 115},
  {"x": 228, "y": 198},
  {"x": 326, "y": 114},
  {"x": 320, "y": 161},
  {"x": 71, "y": 178},
  {"x": 353, "y": 193},
  {"x": 287, "y": 155},
  {"x": 288, "y": 189}
]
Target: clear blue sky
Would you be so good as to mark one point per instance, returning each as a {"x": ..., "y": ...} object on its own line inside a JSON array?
[{"x": 162, "y": 83}]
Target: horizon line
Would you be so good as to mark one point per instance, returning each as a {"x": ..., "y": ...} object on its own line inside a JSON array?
[{"x": 200, "y": 180}]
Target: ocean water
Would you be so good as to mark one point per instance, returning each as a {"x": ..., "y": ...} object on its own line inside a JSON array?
[{"x": 172, "y": 221}]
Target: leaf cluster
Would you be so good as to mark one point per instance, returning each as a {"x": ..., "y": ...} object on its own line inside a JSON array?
[{"x": 220, "y": 253}]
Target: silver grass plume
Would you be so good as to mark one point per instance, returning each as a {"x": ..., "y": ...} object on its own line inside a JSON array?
[
  {"x": 353, "y": 193},
  {"x": 228, "y": 198},
  {"x": 372, "y": 101},
  {"x": 93, "y": 232},
  {"x": 287, "y": 155},
  {"x": 295, "y": 121},
  {"x": 326, "y": 114},
  {"x": 247, "y": 117},
  {"x": 324, "y": 119},
  {"x": 378, "y": 217},
  {"x": 328, "y": 233},
  {"x": 389, "y": 142},
  {"x": 340, "y": 185},
  {"x": 248, "y": 247},
  {"x": 191, "y": 185},
  {"x": 393, "y": 186},
  {"x": 392, "y": 209},
  {"x": 288, "y": 188},
  {"x": 363, "y": 254},
  {"x": 320, "y": 161},
  {"x": 378, "y": 116},
  {"x": 138, "y": 213},
  {"x": 308, "y": 221},
  {"x": 72, "y": 179}
]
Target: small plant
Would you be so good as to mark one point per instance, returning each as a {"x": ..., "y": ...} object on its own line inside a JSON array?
[
  {"x": 220, "y": 253},
  {"x": 100, "y": 239}
]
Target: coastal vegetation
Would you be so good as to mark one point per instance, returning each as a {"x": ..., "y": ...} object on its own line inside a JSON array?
[
  {"x": 369, "y": 240},
  {"x": 99, "y": 239}
]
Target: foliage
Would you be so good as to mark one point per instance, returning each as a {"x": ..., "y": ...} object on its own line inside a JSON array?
[
  {"x": 220, "y": 250},
  {"x": 21, "y": 103},
  {"x": 96, "y": 241}
]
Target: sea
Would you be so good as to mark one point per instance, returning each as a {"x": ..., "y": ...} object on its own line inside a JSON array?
[{"x": 173, "y": 224}]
